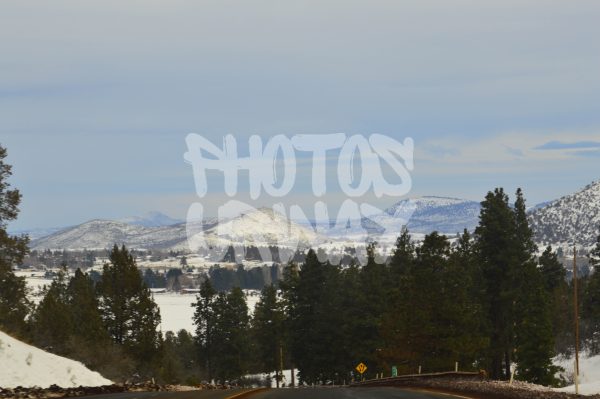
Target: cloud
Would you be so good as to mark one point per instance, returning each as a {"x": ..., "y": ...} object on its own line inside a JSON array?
[
  {"x": 560, "y": 145},
  {"x": 512, "y": 150},
  {"x": 588, "y": 153}
]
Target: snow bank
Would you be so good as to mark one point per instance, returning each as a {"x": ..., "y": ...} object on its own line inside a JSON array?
[
  {"x": 287, "y": 377},
  {"x": 27, "y": 366},
  {"x": 589, "y": 373}
]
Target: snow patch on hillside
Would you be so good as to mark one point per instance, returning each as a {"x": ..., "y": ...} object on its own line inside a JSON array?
[
  {"x": 27, "y": 366},
  {"x": 589, "y": 373}
]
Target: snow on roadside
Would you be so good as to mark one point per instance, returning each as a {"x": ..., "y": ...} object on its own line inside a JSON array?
[
  {"x": 27, "y": 366},
  {"x": 287, "y": 377},
  {"x": 589, "y": 373}
]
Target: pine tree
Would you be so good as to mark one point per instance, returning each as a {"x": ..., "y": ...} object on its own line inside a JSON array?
[
  {"x": 231, "y": 335},
  {"x": 495, "y": 240},
  {"x": 452, "y": 313},
  {"x": 560, "y": 299},
  {"x": 288, "y": 286},
  {"x": 534, "y": 340},
  {"x": 403, "y": 255},
  {"x": 315, "y": 335},
  {"x": 84, "y": 309},
  {"x": 399, "y": 323},
  {"x": 171, "y": 367},
  {"x": 373, "y": 301},
  {"x": 204, "y": 321},
  {"x": 553, "y": 272},
  {"x": 128, "y": 310},
  {"x": 464, "y": 304},
  {"x": 52, "y": 322},
  {"x": 428, "y": 303},
  {"x": 186, "y": 353},
  {"x": 268, "y": 328},
  {"x": 591, "y": 300},
  {"x": 14, "y": 305},
  {"x": 352, "y": 301}
]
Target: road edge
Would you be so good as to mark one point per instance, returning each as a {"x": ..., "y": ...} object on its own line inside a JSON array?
[{"x": 245, "y": 394}]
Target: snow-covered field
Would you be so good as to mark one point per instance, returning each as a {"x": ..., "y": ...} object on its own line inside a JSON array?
[
  {"x": 27, "y": 366},
  {"x": 589, "y": 374},
  {"x": 35, "y": 282},
  {"x": 176, "y": 310}
]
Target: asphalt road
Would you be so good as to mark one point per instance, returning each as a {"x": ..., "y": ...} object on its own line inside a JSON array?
[
  {"x": 348, "y": 393},
  {"x": 298, "y": 393},
  {"x": 208, "y": 394}
]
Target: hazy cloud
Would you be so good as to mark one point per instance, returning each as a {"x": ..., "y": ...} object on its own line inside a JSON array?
[{"x": 560, "y": 145}]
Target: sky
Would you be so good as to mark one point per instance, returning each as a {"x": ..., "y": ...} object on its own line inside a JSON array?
[{"x": 97, "y": 97}]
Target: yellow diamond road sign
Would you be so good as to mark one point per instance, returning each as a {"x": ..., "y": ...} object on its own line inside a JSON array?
[{"x": 361, "y": 368}]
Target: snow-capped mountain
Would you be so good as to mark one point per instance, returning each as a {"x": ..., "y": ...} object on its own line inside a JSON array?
[
  {"x": 259, "y": 227},
  {"x": 553, "y": 223},
  {"x": 101, "y": 234},
  {"x": 442, "y": 214},
  {"x": 264, "y": 226},
  {"x": 27, "y": 366},
  {"x": 575, "y": 216},
  {"x": 151, "y": 219},
  {"x": 421, "y": 215}
]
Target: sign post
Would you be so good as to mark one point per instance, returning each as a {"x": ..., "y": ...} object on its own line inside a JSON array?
[{"x": 394, "y": 371}]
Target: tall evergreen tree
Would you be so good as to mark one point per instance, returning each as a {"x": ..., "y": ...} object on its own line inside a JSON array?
[
  {"x": 495, "y": 237},
  {"x": 315, "y": 334},
  {"x": 374, "y": 290},
  {"x": 591, "y": 300},
  {"x": 268, "y": 327},
  {"x": 464, "y": 304},
  {"x": 534, "y": 340},
  {"x": 400, "y": 322},
  {"x": 14, "y": 305},
  {"x": 560, "y": 299},
  {"x": 52, "y": 322},
  {"x": 171, "y": 367},
  {"x": 129, "y": 313},
  {"x": 204, "y": 321},
  {"x": 231, "y": 335},
  {"x": 403, "y": 255},
  {"x": 553, "y": 272},
  {"x": 84, "y": 309}
]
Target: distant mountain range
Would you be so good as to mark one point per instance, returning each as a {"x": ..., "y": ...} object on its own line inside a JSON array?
[
  {"x": 259, "y": 227},
  {"x": 446, "y": 215},
  {"x": 556, "y": 222},
  {"x": 151, "y": 219}
]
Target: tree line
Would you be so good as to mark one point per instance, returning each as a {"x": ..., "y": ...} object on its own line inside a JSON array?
[{"x": 484, "y": 300}]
